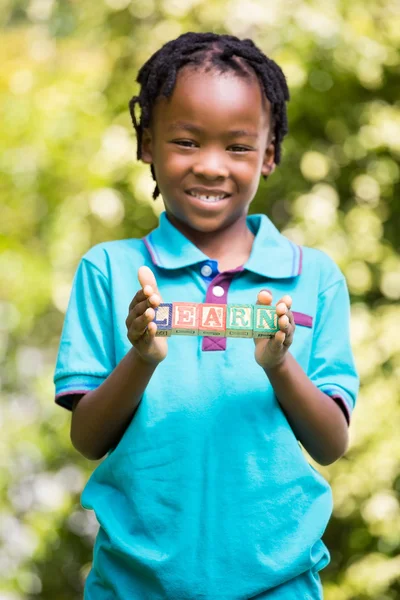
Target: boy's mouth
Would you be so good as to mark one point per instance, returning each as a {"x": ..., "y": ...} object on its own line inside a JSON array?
[{"x": 208, "y": 196}]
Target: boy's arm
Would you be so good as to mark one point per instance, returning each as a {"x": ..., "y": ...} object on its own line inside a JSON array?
[
  {"x": 101, "y": 416},
  {"x": 316, "y": 419}
]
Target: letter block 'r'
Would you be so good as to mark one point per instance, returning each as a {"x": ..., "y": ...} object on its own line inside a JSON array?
[
  {"x": 265, "y": 322},
  {"x": 185, "y": 318},
  {"x": 239, "y": 320}
]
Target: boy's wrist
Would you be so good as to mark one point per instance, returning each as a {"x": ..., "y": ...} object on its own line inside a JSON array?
[
  {"x": 279, "y": 368},
  {"x": 144, "y": 362}
]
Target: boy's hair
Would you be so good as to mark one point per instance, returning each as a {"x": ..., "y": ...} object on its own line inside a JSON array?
[{"x": 225, "y": 52}]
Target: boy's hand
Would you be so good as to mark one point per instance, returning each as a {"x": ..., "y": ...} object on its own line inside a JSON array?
[
  {"x": 141, "y": 330},
  {"x": 271, "y": 352}
]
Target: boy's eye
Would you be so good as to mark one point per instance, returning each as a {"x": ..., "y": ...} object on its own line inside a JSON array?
[
  {"x": 185, "y": 143},
  {"x": 238, "y": 148}
]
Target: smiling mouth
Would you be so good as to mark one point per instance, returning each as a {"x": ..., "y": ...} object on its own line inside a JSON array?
[{"x": 210, "y": 198}]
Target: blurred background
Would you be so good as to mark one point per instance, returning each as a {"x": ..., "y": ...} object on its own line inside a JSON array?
[{"x": 70, "y": 179}]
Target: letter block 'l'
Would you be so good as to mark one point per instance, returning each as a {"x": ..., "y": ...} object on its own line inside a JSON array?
[
  {"x": 239, "y": 320},
  {"x": 265, "y": 323},
  {"x": 163, "y": 319},
  {"x": 185, "y": 318}
]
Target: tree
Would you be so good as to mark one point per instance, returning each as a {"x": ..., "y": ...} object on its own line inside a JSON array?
[{"x": 70, "y": 180}]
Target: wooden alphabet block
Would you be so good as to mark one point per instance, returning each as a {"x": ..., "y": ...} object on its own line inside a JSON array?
[
  {"x": 265, "y": 321},
  {"x": 239, "y": 320},
  {"x": 185, "y": 318},
  {"x": 220, "y": 320},
  {"x": 163, "y": 319},
  {"x": 212, "y": 319}
]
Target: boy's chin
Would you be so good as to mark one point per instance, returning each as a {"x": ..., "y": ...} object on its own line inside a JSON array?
[{"x": 204, "y": 224}]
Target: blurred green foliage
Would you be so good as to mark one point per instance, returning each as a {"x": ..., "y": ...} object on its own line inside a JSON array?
[{"x": 69, "y": 179}]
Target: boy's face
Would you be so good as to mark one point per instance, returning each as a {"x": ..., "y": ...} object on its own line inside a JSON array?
[{"x": 209, "y": 143}]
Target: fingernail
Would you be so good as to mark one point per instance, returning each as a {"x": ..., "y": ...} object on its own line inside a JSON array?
[{"x": 265, "y": 290}]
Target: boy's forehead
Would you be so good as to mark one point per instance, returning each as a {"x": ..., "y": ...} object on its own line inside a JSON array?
[{"x": 200, "y": 94}]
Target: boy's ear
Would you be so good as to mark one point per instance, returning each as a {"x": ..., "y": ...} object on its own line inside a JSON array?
[
  {"x": 147, "y": 147},
  {"x": 268, "y": 165}
]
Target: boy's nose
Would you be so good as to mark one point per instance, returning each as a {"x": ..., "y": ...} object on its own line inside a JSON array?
[{"x": 210, "y": 167}]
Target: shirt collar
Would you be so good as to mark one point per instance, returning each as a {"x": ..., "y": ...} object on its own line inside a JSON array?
[{"x": 273, "y": 255}]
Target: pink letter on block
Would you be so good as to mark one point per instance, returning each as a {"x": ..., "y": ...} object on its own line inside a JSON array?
[
  {"x": 184, "y": 315},
  {"x": 212, "y": 318}
]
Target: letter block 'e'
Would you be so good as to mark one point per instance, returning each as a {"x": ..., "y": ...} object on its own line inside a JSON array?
[
  {"x": 185, "y": 318},
  {"x": 239, "y": 320},
  {"x": 212, "y": 319},
  {"x": 163, "y": 319},
  {"x": 265, "y": 322}
]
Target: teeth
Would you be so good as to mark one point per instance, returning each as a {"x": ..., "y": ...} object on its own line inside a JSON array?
[{"x": 207, "y": 198}]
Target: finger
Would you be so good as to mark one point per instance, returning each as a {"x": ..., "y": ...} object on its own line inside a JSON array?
[
  {"x": 277, "y": 341},
  {"x": 141, "y": 302},
  {"x": 145, "y": 293},
  {"x": 291, "y": 329},
  {"x": 152, "y": 328},
  {"x": 150, "y": 332},
  {"x": 292, "y": 324},
  {"x": 140, "y": 324},
  {"x": 140, "y": 308},
  {"x": 264, "y": 297},
  {"x": 287, "y": 300},
  {"x": 288, "y": 339},
  {"x": 284, "y": 323},
  {"x": 153, "y": 298},
  {"x": 147, "y": 277},
  {"x": 139, "y": 297},
  {"x": 281, "y": 309}
]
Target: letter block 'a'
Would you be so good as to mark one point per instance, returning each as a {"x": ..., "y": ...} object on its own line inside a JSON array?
[
  {"x": 212, "y": 319},
  {"x": 265, "y": 321},
  {"x": 163, "y": 319},
  {"x": 239, "y": 320},
  {"x": 185, "y": 318}
]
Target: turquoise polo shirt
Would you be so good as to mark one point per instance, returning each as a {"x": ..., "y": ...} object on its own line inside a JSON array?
[{"x": 208, "y": 494}]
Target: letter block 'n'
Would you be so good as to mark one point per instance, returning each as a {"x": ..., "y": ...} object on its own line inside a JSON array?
[
  {"x": 163, "y": 319},
  {"x": 185, "y": 318},
  {"x": 239, "y": 320},
  {"x": 265, "y": 322}
]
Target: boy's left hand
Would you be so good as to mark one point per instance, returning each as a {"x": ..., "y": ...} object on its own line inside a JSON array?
[{"x": 271, "y": 352}]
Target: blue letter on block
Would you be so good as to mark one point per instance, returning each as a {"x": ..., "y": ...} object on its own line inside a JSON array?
[{"x": 163, "y": 319}]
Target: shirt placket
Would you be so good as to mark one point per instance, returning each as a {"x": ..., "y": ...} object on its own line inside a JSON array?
[{"x": 217, "y": 293}]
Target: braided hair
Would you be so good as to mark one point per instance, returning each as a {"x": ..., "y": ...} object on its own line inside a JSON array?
[{"x": 225, "y": 52}]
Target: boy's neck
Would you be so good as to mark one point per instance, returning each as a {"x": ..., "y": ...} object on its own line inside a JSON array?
[{"x": 231, "y": 246}]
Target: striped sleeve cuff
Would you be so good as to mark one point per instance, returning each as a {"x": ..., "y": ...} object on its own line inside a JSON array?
[
  {"x": 341, "y": 398},
  {"x": 67, "y": 387}
]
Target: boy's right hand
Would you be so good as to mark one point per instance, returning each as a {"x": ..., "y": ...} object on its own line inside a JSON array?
[{"x": 141, "y": 330}]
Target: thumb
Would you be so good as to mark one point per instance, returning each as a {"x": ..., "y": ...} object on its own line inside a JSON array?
[
  {"x": 264, "y": 297},
  {"x": 147, "y": 277}
]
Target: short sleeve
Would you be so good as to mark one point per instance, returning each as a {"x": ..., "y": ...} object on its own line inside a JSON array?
[
  {"x": 86, "y": 354},
  {"x": 332, "y": 368}
]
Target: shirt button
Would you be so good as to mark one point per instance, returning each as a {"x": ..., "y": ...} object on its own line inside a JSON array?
[
  {"x": 218, "y": 291},
  {"x": 206, "y": 270}
]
